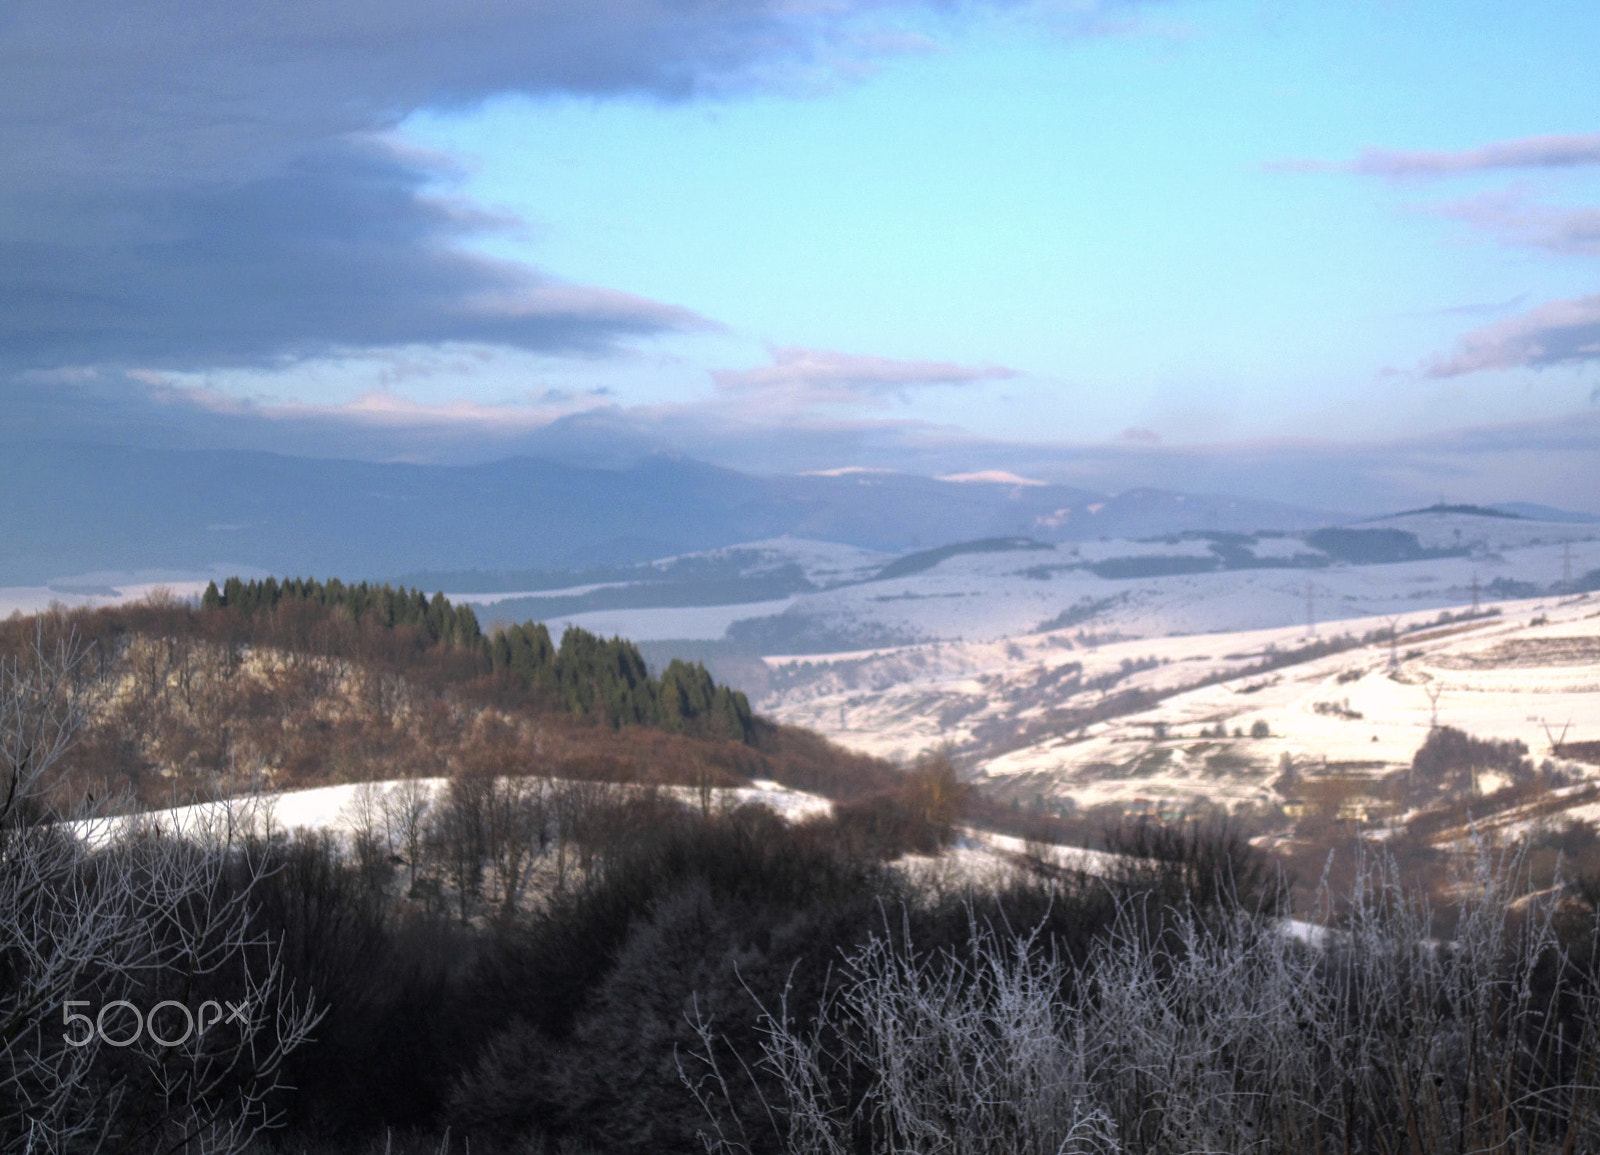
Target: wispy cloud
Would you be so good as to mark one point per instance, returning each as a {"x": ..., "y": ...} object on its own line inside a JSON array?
[
  {"x": 1556, "y": 333},
  {"x": 1480, "y": 308},
  {"x": 991, "y": 477},
  {"x": 1513, "y": 221},
  {"x": 380, "y": 408},
  {"x": 799, "y": 378},
  {"x": 1533, "y": 152}
]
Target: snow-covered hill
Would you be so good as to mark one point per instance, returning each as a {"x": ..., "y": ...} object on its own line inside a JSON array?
[{"x": 1024, "y": 712}]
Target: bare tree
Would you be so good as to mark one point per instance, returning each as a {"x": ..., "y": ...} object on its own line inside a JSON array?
[
  {"x": 518, "y": 833},
  {"x": 406, "y": 807},
  {"x": 459, "y": 833},
  {"x": 581, "y": 817},
  {"x": 117, "y": 916},
  {"x": 371, "y": 837}
]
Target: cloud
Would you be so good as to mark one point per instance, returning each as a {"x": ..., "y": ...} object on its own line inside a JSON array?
[
  {"x": 398, "y": 404},
  {"x": 1569, "y": 231},
  {"x": 1565, "y": 332},
  {"x": 193, "y": 183},
  {"x": 1527, "y": 152},
  {"x": 337, "y": 251},
  {"x": 155, "y": 87},
  {"x": 800, "y": 377},
  {"x": 1481, "y": 308},
  {"x": 379, "y": 408},
  {"x": 1556, "y": 333},
  {"x": 991, "y": 477},
  {"x": 169, "y": 410}
]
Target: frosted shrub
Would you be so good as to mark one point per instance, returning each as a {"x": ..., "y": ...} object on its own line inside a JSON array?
[
  {"x": 953, "y": 1054},
  {"x": 1190, "y": 1030},
  {"x": 1197, "y": 1033},
  {"x": 1483, "y": 1043}
]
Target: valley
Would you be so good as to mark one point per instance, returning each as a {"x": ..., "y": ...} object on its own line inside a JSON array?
[{"x": 1270, "y": 674}]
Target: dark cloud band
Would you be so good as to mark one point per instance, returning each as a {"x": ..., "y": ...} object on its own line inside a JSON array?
[
  {"x": 339, "y": 250},
  {"x": 185, "y": 184}
]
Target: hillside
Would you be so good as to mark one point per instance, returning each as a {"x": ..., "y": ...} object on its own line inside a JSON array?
[
  {"x": 1311, "y": 740},
  {"x": 796, "y": 596},
  {"x": 282, "y": 685}
]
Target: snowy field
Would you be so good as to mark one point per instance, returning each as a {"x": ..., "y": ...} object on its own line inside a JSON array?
[
  {"x": 988, "y": 596},
  {"x": 1013, "y": 594},
  {"x": 337, "y": 809}
]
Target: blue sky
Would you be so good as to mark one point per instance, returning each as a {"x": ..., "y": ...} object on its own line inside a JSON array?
[
  {"x": 1188, "y": 223},
  {"x": 1103, "y": 215}
]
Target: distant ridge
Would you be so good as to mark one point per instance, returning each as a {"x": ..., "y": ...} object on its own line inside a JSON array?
[
  {"x": 1468, "y": 510},
  {"x": 928, "y": 558},
  {"x": 1535, "y": 512},
  {"x": 75, "y": 509},
  {"x": 1508, "y": 510}
]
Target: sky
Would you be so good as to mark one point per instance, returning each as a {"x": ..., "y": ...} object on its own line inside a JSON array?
[{"x": 1351, "y": 250}]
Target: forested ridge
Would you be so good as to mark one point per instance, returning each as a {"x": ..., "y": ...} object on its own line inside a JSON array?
[
  {"x": 587, "y": 675},
  {"x": 288, "y": 684},
  {"x": 500, "y": 860}
]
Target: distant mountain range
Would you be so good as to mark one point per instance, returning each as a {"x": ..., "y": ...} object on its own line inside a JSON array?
[{"x": 74, "y": 509}]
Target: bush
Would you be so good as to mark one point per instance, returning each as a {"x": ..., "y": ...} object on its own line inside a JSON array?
[
  {"x": 1223, "y": 1034},
  {"x": 1450, "y": 760},
  {"x": 1198, "y": 865}
]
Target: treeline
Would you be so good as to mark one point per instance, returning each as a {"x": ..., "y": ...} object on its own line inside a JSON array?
[
  {"x": 588, "y": 675},
  {"x": 435, "y": 617}
]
